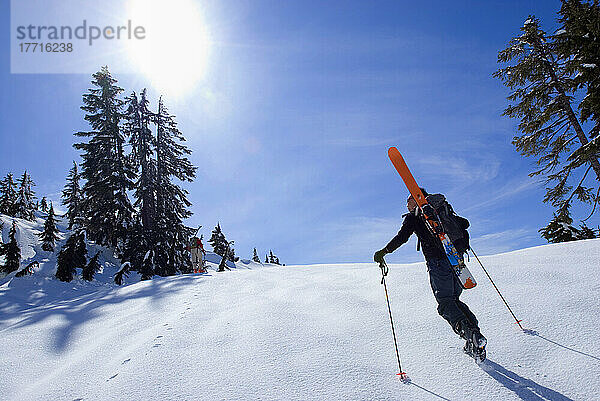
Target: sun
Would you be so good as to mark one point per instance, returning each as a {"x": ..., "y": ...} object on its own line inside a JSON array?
[{"x": 174, "y": 53}]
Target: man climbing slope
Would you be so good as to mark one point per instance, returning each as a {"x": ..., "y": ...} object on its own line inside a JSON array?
[{"x": 444, "y": 283}]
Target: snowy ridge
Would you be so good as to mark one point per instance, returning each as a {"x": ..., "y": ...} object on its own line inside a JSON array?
[
  {"x": 308, "y": 333},
  {"x": 27, "y": 236}
]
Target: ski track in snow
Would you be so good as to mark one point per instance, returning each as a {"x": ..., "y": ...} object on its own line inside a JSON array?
[{"x": 316, "y": 332}]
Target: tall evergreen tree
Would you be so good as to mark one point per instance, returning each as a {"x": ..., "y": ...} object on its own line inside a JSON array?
[
  {"x": 271, "y": 257},
  {"x": 91, "y": 268},
  {"x": 107, "y": 172},
  {"x": 172, "y": 205},
  {"x": 8, "y": 195},
  {"x": 25, "y": 202},
  {"x": 137, "y": 128},
  {"x": 11, "y": 251},
  {"x": 142, "y": 241},
  {"x": 578, "y": 44},
  {"x": 71, "y": 257},
  {"x": 71, "y": 198},
  {"x": 255, "y": 257},
  {"x": 50, "y": 233},
  {"x": 545, "y": 99}
]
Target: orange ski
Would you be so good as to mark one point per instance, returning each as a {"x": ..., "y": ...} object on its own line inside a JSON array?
[{"x": 456, "y": 260}]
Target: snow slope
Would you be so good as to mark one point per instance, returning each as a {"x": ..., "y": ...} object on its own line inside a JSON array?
[{"x": 316, "y": 332}]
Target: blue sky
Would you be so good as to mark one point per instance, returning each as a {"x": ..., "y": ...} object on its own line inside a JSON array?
[{"x": 292, "y": 119}]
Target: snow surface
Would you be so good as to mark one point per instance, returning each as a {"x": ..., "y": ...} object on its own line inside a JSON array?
[{"x": 319, "y": 332}]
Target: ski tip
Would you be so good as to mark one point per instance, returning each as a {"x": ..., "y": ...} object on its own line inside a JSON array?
[
  {"x": 403, "y": 377},
  {"x": 392, "y": 150}
]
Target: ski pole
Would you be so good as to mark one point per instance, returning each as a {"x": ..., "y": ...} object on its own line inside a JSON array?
[
  {"x": 499, "y": 293},
  {"x": 384, "y": 271}
]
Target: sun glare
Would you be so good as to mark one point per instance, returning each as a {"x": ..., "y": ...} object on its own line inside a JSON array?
[{"x": 174, "y": 53}]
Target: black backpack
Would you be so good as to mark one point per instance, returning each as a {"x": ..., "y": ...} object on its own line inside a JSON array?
[{"x": 452, "y": 224}]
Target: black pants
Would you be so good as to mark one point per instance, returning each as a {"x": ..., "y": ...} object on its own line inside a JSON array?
[{"x": 446, "y": 289}]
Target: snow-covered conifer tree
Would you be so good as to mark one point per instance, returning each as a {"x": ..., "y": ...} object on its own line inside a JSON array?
[
  {"x": 560, "y": 229},
  {"x": 586, "y": 232},
  {"x": 25, "y": 202},
  {"x": 171, "y": 199},
  {"x": 106, "y": 170},
  {"x": 43, "y": 207},
  {"x": 217, "y": 240},
  {"x": 71, "y": 257},
  {"x": 91, "y": 268},
  {"x": 255, "y": 256},
  {"x": 8, "y": 195},
  {"x": 548, "y": 78},
  {"x": 71, "y": 198},
  {"x": 11, "y": 251},
  {"x": 50, "y": 233}
]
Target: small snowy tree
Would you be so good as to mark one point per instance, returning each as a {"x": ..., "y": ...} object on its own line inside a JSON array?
[
  {"x": 255, "y": 257},
  {"x": 25, "y": 203},
  {"x": 225, "y": 258},
  {"x": 91, "y": 268},
  {"x": 50, "y": 233},
  {"x": 12, "y": 251},
  {"x": 585, "y": 232},
  {"x": 71, "y": 257},
  {"x": 8, "y": 195},
  {"x": 217, "y": 240},
  {"x": 123, "y": 272},
  {"x": 43, "y": 207},
  {"x": 560, "y": 229}
]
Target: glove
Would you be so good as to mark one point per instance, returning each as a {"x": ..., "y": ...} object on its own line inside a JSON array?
[{"x": 378, "y": 257}]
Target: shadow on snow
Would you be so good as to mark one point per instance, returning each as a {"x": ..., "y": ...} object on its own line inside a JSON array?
[
  {"x": 534, "y": 333},
  {"x": 80, "y": 309},
  {"x": 526, "y": 389}
]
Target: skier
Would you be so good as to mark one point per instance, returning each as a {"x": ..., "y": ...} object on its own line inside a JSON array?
[
  {"x": 198, "y": 254},
  {"x": 444, "y": 283}
]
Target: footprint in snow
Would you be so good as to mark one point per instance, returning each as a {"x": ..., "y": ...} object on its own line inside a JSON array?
[
  {"x": 157, "y": 337},
  {"x": 112, "y": 377},
  {"x": 156, "y": 345},
  {"x": 125, "y": 361}
]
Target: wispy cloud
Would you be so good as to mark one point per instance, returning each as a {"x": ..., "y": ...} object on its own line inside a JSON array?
[
  {"x": 461, "y": 169},
  {"x": 503, "y": 241},
  {"x": 507, "y": 191},
  {"x": 355, "y": 239}
]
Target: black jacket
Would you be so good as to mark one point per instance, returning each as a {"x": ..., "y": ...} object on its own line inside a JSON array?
[{"x": 431, "y": 246}]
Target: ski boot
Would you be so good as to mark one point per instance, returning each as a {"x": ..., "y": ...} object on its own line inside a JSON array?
[
  {"x": 475, "y": 341},
  {"x": 475, "y": 347}
]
